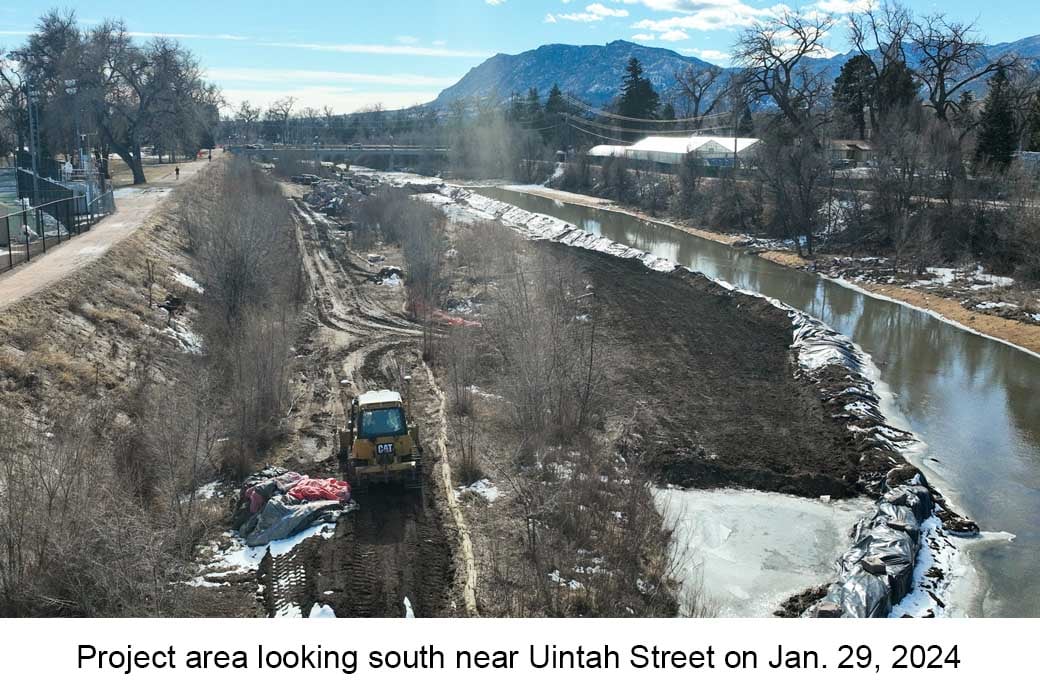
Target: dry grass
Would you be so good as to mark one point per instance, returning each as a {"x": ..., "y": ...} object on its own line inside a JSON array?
[
  {"x": 107, "y": 428},
  {"x": 575, "y": 531}
]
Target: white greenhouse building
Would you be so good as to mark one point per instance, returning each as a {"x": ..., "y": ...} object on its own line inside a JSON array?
[{"x": 711, "y": 150}]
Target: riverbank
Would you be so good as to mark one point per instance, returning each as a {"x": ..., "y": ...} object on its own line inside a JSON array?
[
  {"x": 840, "y": 373},
  {"x": 1019, "y": 334}
]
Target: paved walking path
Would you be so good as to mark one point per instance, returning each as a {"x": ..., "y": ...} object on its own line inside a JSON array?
[{"x": 133, "y": 206}]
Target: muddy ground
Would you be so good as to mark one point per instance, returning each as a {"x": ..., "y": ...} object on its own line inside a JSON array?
[
  {"x": 704, "y": 392},
  {"x": 394, "y": 546},
  {"x": 710, "y": 383},
  {"x": 393, "y": 550}
]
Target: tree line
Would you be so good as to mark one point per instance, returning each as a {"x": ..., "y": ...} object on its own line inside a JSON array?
[{"x": 127, "y": 95}]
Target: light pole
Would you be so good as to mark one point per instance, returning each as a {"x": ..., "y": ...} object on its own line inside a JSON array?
[
  {"x": 34, "y": 138},
  {"x": 72, "y": 90}
]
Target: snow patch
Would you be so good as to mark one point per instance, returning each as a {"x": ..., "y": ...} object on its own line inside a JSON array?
[
  {"x": 188, "y": 341},
  {"x": 319, "y": 610},
  {"x": 752, "y": 550},
  {"x": 238, "y": 558},
  {"x": 187, "y": 281},
  {"x": 482, "y": 488}
]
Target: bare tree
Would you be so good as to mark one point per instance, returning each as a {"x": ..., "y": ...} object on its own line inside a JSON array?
[
  {"x": 773, "y": 57},
  {"x": 248, "y": 116},
  {"x": 950, "y": 58},
  {"x": 279, "y": 113},
  {"x": 791, "y": 161},
  {"x": 700, "y": 91}
]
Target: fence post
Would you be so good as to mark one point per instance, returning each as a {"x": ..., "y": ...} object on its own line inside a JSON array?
[
  {"x": 25, "y": 230},
  {"x": 10, "y": 249},
  {"x": 41, "y": 228}
]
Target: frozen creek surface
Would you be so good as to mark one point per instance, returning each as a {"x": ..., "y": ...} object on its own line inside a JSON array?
[{"x": 752, "y": 550}]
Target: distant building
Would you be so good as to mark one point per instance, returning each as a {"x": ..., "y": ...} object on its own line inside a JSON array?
[
  {"x": 850, "y": 152},
  {"x": 710, "y": 150}
]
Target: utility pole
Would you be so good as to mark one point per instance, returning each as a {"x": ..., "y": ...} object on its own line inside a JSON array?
[
  {"x": 84, "y": 159},
  {"x": 34, "y": 138}
]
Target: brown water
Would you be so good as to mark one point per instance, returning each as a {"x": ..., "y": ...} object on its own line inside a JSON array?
[{"x": 974, "y": 401}]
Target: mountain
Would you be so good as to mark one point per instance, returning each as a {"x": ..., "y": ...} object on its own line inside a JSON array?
[
  {"x": 594, "y": 73},
  {"x": 591, "y": 73}
]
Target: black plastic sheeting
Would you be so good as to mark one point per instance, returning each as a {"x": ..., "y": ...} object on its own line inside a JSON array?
[{"x": 876, "y": 573}]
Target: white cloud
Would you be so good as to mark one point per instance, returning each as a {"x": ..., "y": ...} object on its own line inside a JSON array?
[
  {"x": 322, "y": 77},
  {"x": 709, "y": 54},
  {"x": 174, "y": 35},
  {"x": 405, "y": 39},
  {"x": 596, "y": 12},
  {"x": 674, "y": 35},
  {"x": 704, "y": 15},
  {"x": 494, "y": 3},
  {"x": 148, "y": 35},
  {"x": 845, "y": 6},
  {"x": 381, "y": 49},
  {"x": 644, "y": 37},
  {"x": 341, "y": 99}
]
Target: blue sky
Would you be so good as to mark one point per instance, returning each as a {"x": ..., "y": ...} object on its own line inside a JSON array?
[{"x": 352, "y": 53}]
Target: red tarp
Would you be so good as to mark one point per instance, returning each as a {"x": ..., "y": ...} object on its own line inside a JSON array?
[{"x": 312, "y": 489}]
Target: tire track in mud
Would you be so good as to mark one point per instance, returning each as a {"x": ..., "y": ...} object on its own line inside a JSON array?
[
  {"x": 394, "y": 545},
  {"x": 327, "y": 266}
]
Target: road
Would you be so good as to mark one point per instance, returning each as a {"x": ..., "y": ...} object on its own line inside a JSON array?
[{"x": 134, "y": 206}]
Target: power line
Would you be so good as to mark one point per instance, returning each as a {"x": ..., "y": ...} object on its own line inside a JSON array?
[
  {"x": 597, "y": 135},
  {"x": 691, "y": 132},
  {"x": 619, "y": 117}
]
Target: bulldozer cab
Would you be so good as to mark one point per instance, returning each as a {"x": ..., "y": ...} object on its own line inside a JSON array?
[{"x": 378, "y": 445}]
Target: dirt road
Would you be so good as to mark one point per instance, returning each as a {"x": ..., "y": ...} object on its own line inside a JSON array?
[
  {"x": 391, "y": 556},
  {"x": 134, "y": 207}
]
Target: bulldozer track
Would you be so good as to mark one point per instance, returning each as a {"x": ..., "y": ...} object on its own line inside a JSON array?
[{"x": 393, "y": 548}]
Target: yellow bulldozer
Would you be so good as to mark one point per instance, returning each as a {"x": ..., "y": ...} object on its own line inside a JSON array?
[{"x": 378, "y": 446}]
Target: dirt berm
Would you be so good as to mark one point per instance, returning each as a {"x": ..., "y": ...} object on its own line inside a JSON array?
[{"x": 711, "y": 381}]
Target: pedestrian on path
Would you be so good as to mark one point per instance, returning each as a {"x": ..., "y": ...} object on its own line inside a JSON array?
[{"x": 177, "y": 172}]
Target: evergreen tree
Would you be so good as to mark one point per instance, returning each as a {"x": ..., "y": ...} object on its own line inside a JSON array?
[
  {"x": 556, "y": 111},
  {"x": 515, "y": 110},
  {"x": 1033, "y": 126},
  {"x": 532, "y": 109},
  {"x": 896, "y": 88},
  {"x": 964, "y": 118},
  {"x": 668, "y": 114},
  {"x": 638, "y": 97},
  {"x": 853, "y": 90},
  {"x": 555, "y": 104},
  {"x": 998, "y": 139},
  {"x": 746, "y": 127}
]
